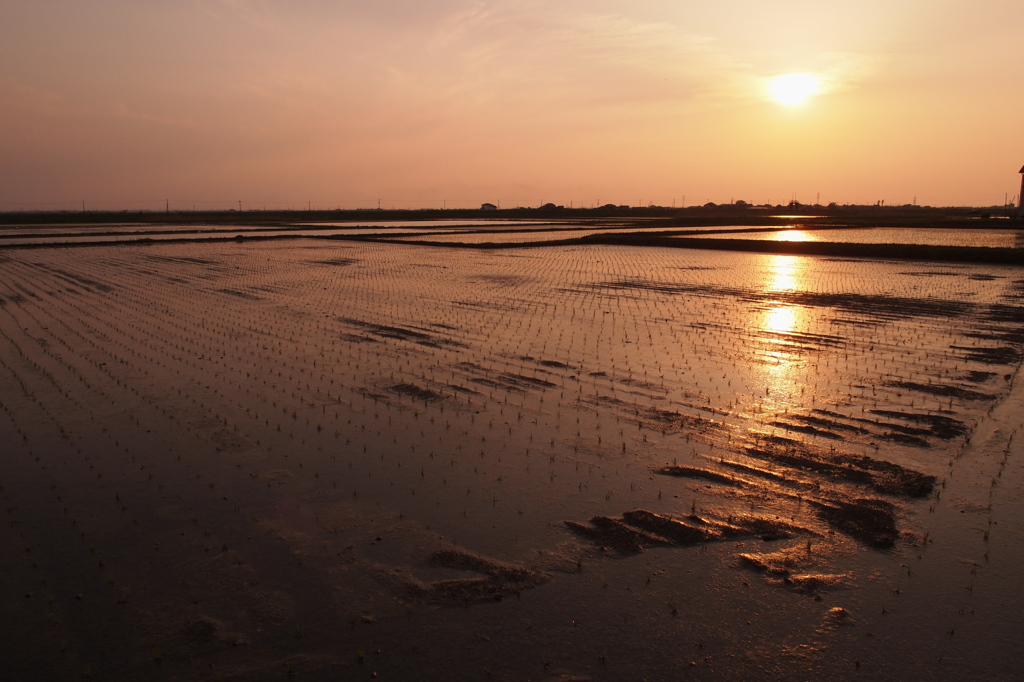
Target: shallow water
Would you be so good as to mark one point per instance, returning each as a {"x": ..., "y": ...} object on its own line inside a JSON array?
[
  {"x": 542, "y": 235},
  {"x": 298, "y": 453},
  {"x": 437, "y": 231},
  {"x": 1002, "y": 238},
  {"x": 178, "y": 235},
  {"x": 78, "y": 234}
]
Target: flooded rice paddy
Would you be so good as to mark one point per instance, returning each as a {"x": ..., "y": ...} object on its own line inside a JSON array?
[
  {"x": 320, "y": 460},
  {"x": 539, "y": 234},
  {"x": 978, "y": 237},
  {"x": 59, "y": 234}
]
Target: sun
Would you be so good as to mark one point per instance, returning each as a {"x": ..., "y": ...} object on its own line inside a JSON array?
[{"x": 793, "y": 89}]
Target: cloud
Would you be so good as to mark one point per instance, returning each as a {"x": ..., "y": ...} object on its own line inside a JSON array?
[
  {"x": 447, "y": 92},
  {"x": 390, "y": 15}
]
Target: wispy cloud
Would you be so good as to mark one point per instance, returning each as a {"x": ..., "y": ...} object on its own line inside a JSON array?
[{"x": 408, "y": 91}]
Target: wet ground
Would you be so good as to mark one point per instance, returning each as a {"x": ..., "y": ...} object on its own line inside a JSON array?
[{"x": 315, "y": 460}]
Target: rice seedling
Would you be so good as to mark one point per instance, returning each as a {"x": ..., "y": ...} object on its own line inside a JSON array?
[{"x": 682, "y": 364}]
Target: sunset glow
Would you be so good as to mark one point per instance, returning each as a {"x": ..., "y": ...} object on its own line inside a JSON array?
[
  {"x": 503, "y": 340},
  {"x": 110, "y": 104},
  {"x": 793, "y": 89}
]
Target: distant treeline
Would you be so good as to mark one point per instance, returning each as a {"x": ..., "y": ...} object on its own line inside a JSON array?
[{"x": 724, "y": 214}]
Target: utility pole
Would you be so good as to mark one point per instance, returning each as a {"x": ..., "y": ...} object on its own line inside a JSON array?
[
  {"x": 239, "y": 205},
  {"x": 1020, "y": 197},
  {"x": 167, "y": 205}
]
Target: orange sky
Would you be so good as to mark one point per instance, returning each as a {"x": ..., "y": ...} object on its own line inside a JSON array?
[{"x": 123, "y": 104}]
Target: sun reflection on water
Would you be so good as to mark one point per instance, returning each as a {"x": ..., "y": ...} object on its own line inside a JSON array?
[
  {"x": 779, "y": 321},
  {"x": 793, "y": 236},
  {"x": 785, "y": 274}
]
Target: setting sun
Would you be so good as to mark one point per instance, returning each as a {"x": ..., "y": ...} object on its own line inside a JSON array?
[{"x": 793, "y": 89}]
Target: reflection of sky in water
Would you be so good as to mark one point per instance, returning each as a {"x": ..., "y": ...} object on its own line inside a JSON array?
[
  {"x": 793, "y": 236},
  {"x": 781, "y": 320},
  {"x": 783, "y": 274},
  {"x": 974, "y": 237}
]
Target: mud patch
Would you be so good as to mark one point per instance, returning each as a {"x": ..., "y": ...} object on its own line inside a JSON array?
[
  {"x": 791, "y": 568},
  {"x": 943, "y": 390},
  {"x": 358, "y": 338},
  {"x": 759, "y": 472},
  {"x": 73, "y": 278},
  {"x": 401, "y": 333},
  {"x": 277, "y": 477},
  {"x": 514, "y": 383},
  {"x": 208, "y": 634},
  {"x": 884, "y": 477},
  {"x": 780, "y": 562},
  {"x": 676, "y": 531},
  {"x": 497, "y": 580},
  {"x": 639, "y": 529},
  {"x": 679, "y": 421},
  {"x": 694, "y": 472},
  {"x": 414, "y": 391},
  {"x": 554, "y": 363},
  {"x": 938, "y": 425},
  {"x": 487, "y": 580},
  {"x": 1002, "y": 355},
  {"x": 615, "y": 534},
  {"x": 906, "y": 439},
  {"x": 501, "y": 280},
  {"x": 240, "y": 294},
  {"x": 816, "y": 583},
  {"x": 871, "y": 521},
  {"x": 336, "y": 261},
  {"x": 828, "y": 424},
  {"x": 522, "y": 380},
  {"x": 229, "y": 440},
  {"x": 806, "y": 429}
]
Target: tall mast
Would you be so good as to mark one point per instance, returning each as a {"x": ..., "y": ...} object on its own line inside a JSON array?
[{"x": 1020, "y": 197}]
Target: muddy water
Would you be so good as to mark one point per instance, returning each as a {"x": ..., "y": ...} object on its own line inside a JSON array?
[
  {"x": 542, "y": 233},
  {"x": 977, "y": 237},
  {"x": 256, "y": 460},
  {"x": 30, "y": 235}
]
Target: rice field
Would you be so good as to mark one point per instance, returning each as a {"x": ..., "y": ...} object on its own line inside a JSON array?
[
  {"x": 538, "y": 234},
  {"x": 978, "y": 237},
  {"x": 316, "y": 459},
  {"x": 62, "y": 234}
]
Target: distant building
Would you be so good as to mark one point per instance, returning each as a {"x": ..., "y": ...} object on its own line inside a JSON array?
[{"x": 488, "y": 207}]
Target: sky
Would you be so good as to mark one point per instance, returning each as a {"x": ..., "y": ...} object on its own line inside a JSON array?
[{"x": 121, "y": 104}]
